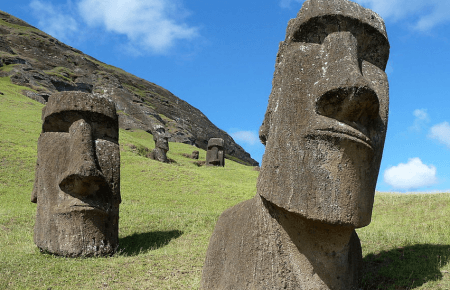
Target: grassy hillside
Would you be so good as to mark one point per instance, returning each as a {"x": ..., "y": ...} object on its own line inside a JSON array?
[{"x": 169, "y": 211}]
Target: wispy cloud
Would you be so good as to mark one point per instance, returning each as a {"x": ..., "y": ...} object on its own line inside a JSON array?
[
  {"x": 411, "y": 175},
  {"x": 421, "y": 120},
  {"x": 248, "y": 137},
  {"x": 422, "y": 15},
  {"x": 153, "y": 25},
  {"x": 149, "y": 26},
  {"x": 54, "y": 20},
  {"x": 425, "y": 15},
  {"x": 288, "y": 3},
  {"x": 441, "y": 133}
]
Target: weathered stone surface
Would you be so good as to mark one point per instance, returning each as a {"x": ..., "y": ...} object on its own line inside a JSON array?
[
  {"x": 46, "y": 66},
  {"x": 215, "y": 155},
  {"x": 324, "y": 131},
  {"x": 195, "y": 154},
  {"x": 161, "y": 139},
  {"x": 77, "y": 185},
  {"x": 257, "y": 245}
]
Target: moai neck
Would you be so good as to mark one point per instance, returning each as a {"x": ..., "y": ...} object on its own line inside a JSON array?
[
  {"x": 160, "y": 154},
  {"x": 324, "y": 256}
]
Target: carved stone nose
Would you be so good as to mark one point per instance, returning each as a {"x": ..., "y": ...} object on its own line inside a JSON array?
[
  {"x": 82, "y": 177},
  {"x": 343, "y": 93},
  {"x": 354, "y": 106}
]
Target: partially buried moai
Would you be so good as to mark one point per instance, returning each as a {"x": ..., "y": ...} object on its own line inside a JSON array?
[
  {"x": 77, "y": 187},
  {"x": 161, "y": 139},
  {"x": 324, "y": 131},
  {"x": 195, "y": 154},
  {"x": 215, "y": 155}
]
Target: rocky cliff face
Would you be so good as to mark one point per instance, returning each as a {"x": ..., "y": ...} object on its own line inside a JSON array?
[{"x": 40, "y": 62}]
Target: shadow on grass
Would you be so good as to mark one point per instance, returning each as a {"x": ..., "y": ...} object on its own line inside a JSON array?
[
  {"x": 405, "y": 267},
  {"x": 143, "y": 242}
]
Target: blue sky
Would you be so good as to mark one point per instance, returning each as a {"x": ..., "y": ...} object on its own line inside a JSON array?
[{"x": 219, "y": 56}]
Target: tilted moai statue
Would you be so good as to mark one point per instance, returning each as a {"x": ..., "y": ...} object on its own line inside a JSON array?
[
  {"x": 324, "y": 132},
  {"x": 195, "y": 154},
  {"x": 77, "y": 187},
  {"x": 215, "y": 155},
  {"x": 161, "y": 139}
]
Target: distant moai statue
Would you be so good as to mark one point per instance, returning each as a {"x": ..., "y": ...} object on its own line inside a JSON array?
[
  {"x": 215, "y": 155},
  {"x": 195, "y": 154},
  {"x": 161, "y": 139},
  {"x": 324, "y": 132},
  {"x": 77, "y": 183}
]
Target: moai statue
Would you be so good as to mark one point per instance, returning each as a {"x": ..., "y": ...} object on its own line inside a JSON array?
[
  {"x": 77, "y": 188},
  {"x": 215, "y": 155},
  {"x": 195, "y": 154},
  {"x": 161, "y": 139},
  {"x": 324, "y": 132}
]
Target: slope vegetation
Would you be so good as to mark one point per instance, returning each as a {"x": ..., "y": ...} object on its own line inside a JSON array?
[
  {"x": 44, "y": 65},
  {"x": 168, "y": 214}
]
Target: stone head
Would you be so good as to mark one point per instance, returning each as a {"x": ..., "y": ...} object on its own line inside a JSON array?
[
  {"x": 77, "y": 186},
  {"x": 161, "y": 138},
  {"x": 215, "y": 154},
  {"x": 326, "y": 120}
]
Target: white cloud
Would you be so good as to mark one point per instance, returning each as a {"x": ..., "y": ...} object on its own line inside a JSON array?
[
  {"x": 421, "y": 119},
  {"x": 249, "y": 137},
  {"x": 411, "y": 175},
  {"x": 424, "y": 14},
  {"x": 53, "y": 20},
  {"x": 287, "y": 3},
  {"x": 153, "y": 25},
  {"x": 441, "y": 132},
  {"x": 421, "y": 114}
]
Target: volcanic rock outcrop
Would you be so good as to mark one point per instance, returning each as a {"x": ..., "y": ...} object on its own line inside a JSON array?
[{"x": 34, "y": 59}]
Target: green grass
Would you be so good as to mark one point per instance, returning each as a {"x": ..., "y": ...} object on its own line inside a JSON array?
[
  {"x": 169, "y": 211},
  {"x": 407, "y": 245},
  {"x": 166, "y": 217},
  {"x": 17, "y": 27},
  {"x": 62, "y": 72}
]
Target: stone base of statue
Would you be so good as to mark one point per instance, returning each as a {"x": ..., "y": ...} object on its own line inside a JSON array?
[
  {"x": 159, "y": 154},
  {"x": 257, "y": 245}
]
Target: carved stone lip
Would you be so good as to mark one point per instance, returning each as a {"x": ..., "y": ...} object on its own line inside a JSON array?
[
  {"x": 80, "y": 206},
  {"x": 85, "y": 207},
  {"x": 343, "y": 130},
  {"x": 82, "y": 209}
]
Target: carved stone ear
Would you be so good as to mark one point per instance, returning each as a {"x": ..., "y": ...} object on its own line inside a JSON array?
[
  {"x": 34, "y": 192},
  {"x": 264, "y": 129},
  {"x": 36, "y": 185}
]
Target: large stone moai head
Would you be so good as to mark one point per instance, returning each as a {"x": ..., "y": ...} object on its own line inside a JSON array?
[
  {"x": 326, "y": 120},
  {"x": 161, "y": 139},
  {"x": 77, "y": 188},
  {"x": 215, "y": 155}
]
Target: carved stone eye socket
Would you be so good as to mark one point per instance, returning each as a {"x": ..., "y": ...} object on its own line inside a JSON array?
[
  {"x": 102, "y": 126},
  {"x": 372, "y": 45}
]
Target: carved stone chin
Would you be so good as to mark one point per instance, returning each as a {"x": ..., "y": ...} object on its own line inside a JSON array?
[
  {"x": 77, "y": 185},
  {"x": 324, "y": 132}
]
